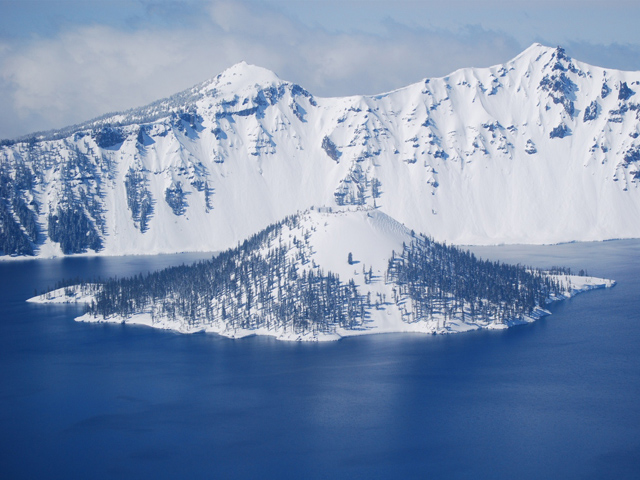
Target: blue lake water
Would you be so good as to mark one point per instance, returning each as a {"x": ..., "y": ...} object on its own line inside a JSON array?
[{"x": 556, "y": 399}]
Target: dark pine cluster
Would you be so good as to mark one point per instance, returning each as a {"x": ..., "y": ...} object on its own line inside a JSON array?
[
  {"x": 139, "y": 198},
  {"x": 73, "y": 230},
  {"x": 76, "y": 222},
  {"x": 175, "y": 198},
  {"x": 446, "y": 281},
  {"x": 15, "y": 212}
]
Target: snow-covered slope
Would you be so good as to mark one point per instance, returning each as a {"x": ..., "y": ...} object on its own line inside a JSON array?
[
  {"x": 322, "y": 276},
  {"x": 542, "y": 149}
]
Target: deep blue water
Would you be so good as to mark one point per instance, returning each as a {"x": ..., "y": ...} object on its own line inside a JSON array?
[{"x": 556, "y": 399}]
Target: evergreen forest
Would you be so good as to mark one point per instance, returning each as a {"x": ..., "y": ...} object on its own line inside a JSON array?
[{"x": 271, "y": 281}]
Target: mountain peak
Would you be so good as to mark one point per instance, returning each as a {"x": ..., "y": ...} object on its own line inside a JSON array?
[
  {"x": 243, "y": 75},
  {"x": 548, "y": 59},
  {"x": 536, "y": 51}
]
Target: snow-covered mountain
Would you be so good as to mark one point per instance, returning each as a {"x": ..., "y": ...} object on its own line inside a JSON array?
[{"x": 542, "y": 149}]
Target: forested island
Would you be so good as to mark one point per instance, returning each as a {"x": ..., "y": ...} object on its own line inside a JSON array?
[{"x": 301, "y": 279}]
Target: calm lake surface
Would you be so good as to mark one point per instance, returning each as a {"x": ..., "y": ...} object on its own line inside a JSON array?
[{"x": 556, "y": 399}]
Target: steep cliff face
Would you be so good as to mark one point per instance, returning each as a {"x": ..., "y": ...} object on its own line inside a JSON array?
[{"x": 541, "y": 149}]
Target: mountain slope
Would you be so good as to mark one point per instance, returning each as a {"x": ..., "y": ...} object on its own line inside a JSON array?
[{"x": 542, "y": 149}]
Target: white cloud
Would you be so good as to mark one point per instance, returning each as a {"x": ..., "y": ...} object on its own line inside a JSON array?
[{"x": 86, "y": 71}]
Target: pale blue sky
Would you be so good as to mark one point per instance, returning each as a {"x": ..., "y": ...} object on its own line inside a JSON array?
[{"x": 63, "y": 62}]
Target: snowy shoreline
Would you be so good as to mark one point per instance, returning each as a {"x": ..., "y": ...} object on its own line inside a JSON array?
[
  {"x": 382, "y": 320},
  {"x": 56, "y": 253}
]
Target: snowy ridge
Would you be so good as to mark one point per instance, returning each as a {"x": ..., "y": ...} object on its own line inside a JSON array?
[
  {"x": 542, "y": 149},
  {"x": 362, "y": 249}
]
